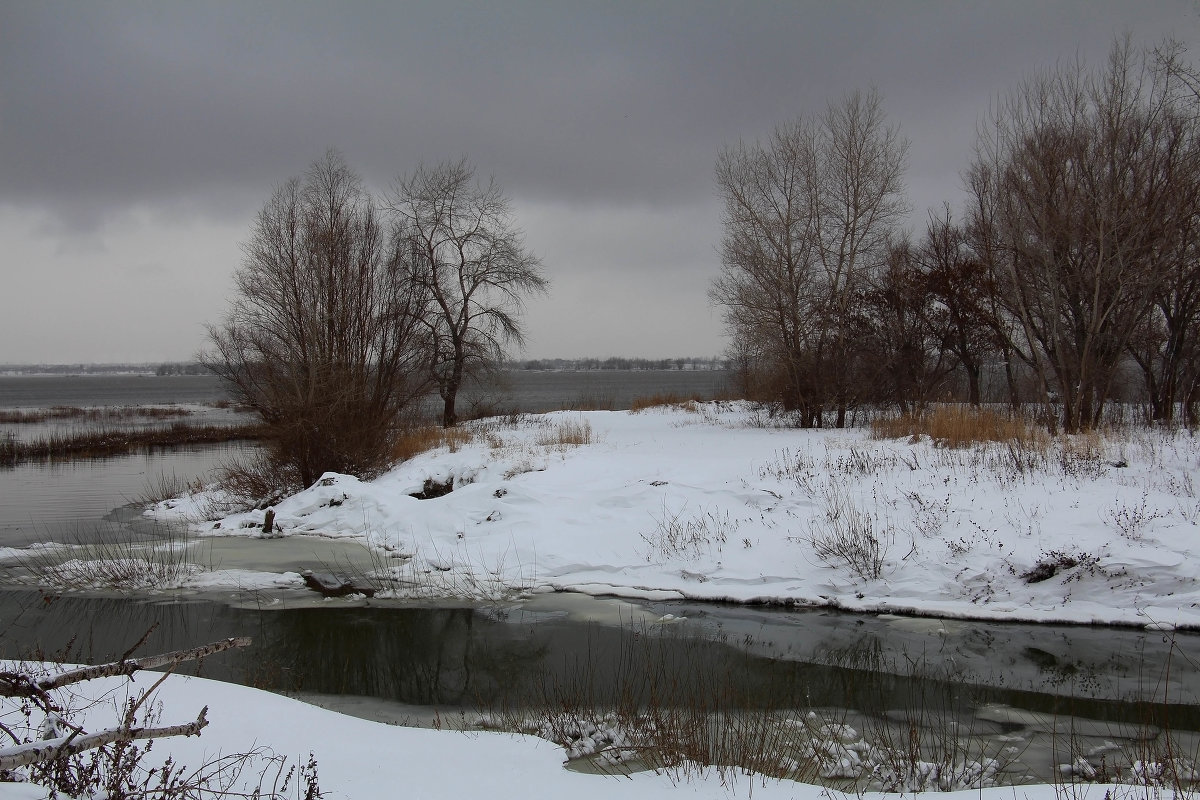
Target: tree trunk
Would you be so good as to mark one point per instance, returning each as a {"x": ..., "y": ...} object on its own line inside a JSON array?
[
  {"x": 973, "y": 380},
  {"x": 449, "y": 392},
  {"x": 449, "y": 416}
]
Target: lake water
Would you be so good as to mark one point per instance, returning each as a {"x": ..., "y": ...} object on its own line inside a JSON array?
[
  {"x": 1038, "y": 686},
  {"x": 523, "y": 390}
]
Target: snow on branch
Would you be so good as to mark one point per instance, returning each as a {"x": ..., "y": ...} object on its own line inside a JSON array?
[{"x": 48, "y": 750}]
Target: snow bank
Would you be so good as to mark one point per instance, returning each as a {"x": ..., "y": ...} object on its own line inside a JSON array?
[
  {"x": 706, "y": 502},
  {"x": 367, "y": 760}
]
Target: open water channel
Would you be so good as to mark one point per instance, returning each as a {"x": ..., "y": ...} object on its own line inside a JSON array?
[{"x": 1035, "y": 695}]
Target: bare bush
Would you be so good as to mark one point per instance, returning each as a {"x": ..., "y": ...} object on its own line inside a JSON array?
[
  {"x": 1131, "y": 519},
  {"x": 848, "y": 534},
  {"x": 323, "y": 341}
]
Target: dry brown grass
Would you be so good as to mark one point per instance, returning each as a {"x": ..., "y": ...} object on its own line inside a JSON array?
[
  {"x": 961, "y": 426},
  {"x": 414, "y": 441},
  {"x": 660, "y": 399},
  {"x": 19, "y": 417},
  {"x": 568, "y": 433}
]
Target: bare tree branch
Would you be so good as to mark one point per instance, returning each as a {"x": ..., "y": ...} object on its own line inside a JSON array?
[{"x": 20, "y": 685}]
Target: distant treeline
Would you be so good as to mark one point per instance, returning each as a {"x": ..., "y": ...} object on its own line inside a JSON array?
[
  {"x": 617, "y": 363},
  {"x": 191, "y": 368},
  {"x": 79, "y": 369}
]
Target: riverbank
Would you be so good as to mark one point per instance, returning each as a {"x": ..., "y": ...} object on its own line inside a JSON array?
[
  {"x": 711, "y": 502},
  {"x": 429, "y": 763}
]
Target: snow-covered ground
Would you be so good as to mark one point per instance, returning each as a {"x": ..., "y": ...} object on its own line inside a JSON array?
[
  {"x": 706, "y": 502},
  {"x": 712, "y": 502}
]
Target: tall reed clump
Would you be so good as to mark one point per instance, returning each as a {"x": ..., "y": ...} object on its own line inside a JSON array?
[
  {"x": 660, "y": 709},
  {"x": 22, "y": 417},
  {"x": 959, "y": 426}
]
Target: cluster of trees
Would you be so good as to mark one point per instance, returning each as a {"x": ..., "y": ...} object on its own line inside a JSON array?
[
  {"x": 1074, "y": 261},
  {"x": 175, "y": 368},
  {"x": 351, "y": 309}
]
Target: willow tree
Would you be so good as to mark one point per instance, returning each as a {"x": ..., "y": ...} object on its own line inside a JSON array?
[
  {"x": 324, "y": 337},
  {"x": 464, "y": 252}
]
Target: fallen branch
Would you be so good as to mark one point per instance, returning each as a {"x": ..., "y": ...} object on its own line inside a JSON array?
[
  {"x": 16, "y": 684},
  {"x": 48, "y": 750}
]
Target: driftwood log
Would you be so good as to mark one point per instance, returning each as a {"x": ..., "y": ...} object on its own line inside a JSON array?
[
  {"x": 17, "y": 684},
  {"x": 23, "y": 755},
  {"x": 332, "y": 585}
]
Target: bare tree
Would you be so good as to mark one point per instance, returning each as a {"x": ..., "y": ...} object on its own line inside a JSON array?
[
  {"x": 324, "y": 338},
  {"x": 807, "y": 219},
  {"x": 1075, "y": 179},
  {"x": 464, "y": 252},
  {"x": 1167, "y": 346},
  {"x": 907, "y": 336},
  {"x": 960, "y": 312}
]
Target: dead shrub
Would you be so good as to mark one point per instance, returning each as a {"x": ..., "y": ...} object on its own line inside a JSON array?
[
  {"x": 849, "y": 534},
  {"x": 256, "y": 482}
]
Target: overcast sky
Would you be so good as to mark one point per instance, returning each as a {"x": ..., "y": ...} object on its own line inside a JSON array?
[{"x": 137, "y": 140}]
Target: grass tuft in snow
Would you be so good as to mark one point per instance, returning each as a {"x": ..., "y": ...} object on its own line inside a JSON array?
[
  {"x": 109, "y": 560},
  {"x": 676, "y": 535},
  {"x": 567, "y": 433},
  {"x": 845, "y": 533}
]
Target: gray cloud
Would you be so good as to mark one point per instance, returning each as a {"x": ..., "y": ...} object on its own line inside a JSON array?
[{"x": 195, "y": 110}]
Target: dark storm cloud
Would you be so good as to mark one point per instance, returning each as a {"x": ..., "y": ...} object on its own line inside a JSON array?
[
  {"x": 601, "y": 120},
  {"x": 106, "y": 104}
]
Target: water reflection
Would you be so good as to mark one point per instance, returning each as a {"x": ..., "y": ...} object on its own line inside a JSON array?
[
  {"x": 469, "y": 657},
  {"x": 67, "y": 500},
  {"x": 945, "y": 690}
]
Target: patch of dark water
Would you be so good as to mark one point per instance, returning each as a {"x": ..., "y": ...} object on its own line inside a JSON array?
[
  {"x": 43, "y": 391},
  {"x": 411, "y": 663},
  {"x": 68, "y": 501}
]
